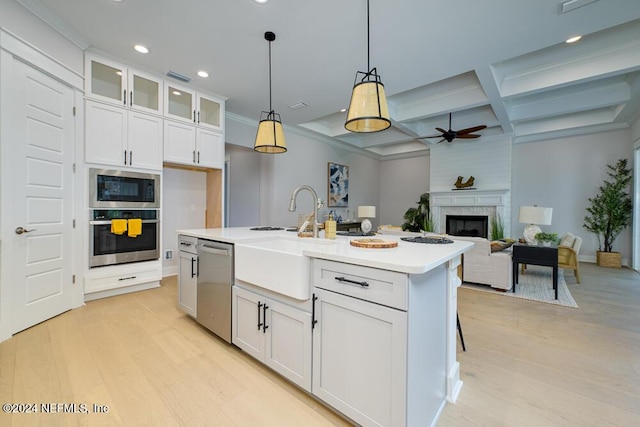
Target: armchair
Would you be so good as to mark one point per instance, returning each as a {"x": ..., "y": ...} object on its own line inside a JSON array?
[{"x": 568, "y": 250}]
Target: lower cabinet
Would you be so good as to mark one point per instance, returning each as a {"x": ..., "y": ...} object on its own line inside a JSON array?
[
  {"x": 277, "y": 334},
  {"x": 187, "y": 283},
  {"x": 360, "y": 358}
]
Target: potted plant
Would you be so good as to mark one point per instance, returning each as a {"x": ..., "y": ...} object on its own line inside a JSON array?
[
  {"x": 419, "y": 219},
  {"x": 610, "y": 213},
  {"x": 547, "y": 238},
  {"x": 497, "y": 228}
]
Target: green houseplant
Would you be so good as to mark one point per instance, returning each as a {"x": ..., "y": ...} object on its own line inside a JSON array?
[
  {"x": 497, "y": 228},
  {"x": 547, "y": 238},
  {"x": 609, "y": 212},
  {"x": 419, "y": 219}
]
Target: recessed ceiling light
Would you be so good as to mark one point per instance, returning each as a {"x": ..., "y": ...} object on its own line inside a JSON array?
[
  {"x": 261, "y": 1},
  {"x": 573, "y": 39},
  {"x": 141, "y": 49},
  {"x": 343, "y": 110},
  {"x": 203, "y": 74}
]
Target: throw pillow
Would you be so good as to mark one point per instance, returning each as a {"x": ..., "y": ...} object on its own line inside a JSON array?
[
  {"x": 500, "y": 245},
  {"x": 568, "y": 240}
]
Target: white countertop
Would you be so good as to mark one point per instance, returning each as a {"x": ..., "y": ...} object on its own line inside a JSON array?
[{"x": 407, "y": 257}]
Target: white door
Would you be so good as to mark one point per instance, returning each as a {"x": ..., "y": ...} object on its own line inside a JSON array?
[{"x": 42, "y": 127}]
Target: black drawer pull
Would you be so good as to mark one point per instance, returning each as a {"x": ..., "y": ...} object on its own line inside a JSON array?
[{"x": 344, "y": 279}]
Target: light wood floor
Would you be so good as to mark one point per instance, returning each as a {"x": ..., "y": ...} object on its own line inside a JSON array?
[{"x": 527, "y": 364}]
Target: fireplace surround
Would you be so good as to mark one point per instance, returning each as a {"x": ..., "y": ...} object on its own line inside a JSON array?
[{"x": 471, "y": 203}]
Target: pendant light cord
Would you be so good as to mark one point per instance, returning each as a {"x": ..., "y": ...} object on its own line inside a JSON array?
[
  {"x": 368, "y": 48},
  {"x": 270, "y": 107}
]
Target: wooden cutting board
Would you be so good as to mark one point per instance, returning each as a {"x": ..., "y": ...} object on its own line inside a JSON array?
[{"x": 373, "y": 243}]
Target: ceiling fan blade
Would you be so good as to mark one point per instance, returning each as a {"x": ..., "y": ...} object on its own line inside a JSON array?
[
  {"x": 429, "y": 136},
  {"x": 468, "y": 136},
  {"x": 441, "y": 141},
  {"x": 441, "y": 130},
  {"x": 471, "y": 130}
]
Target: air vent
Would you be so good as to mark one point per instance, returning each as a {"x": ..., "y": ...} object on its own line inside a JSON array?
[
  {"x": 298, "y": 105},
  {"x": 180, "y": 77},
  {"x": 569, "y": 5}
]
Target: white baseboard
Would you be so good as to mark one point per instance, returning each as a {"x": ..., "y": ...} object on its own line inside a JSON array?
[{"x": 170, "y": 271}]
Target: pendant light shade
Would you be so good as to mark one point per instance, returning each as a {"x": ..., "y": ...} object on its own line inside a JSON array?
[
  {"x": 270, "y": 135},
  {"x": 368, "y": 109}
]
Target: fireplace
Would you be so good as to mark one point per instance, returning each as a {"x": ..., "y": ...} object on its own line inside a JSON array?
[{"x": 468, "y": 225}]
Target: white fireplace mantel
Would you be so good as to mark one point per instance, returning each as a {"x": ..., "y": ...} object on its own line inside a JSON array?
[{"x": 471, "y": 202}]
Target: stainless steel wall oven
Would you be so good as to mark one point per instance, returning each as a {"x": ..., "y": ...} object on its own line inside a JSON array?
[{"x": 108, "y": 248}]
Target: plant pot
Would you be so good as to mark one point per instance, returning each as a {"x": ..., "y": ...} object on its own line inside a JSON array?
[
  {"x": 609, "y": 259},
  {"x": 546, "y": 243}
]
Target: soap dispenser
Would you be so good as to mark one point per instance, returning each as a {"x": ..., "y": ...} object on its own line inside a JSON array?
[{"x": 330, "y": 227}]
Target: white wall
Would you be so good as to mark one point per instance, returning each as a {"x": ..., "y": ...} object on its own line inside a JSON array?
[
  {"x": 402, "y": 181},
  {"x": 17, "y": 20},
  {"x": 305, "y": 162},
  {"x": 562, "y": 174},
  {"x": 184, "y": 194}
]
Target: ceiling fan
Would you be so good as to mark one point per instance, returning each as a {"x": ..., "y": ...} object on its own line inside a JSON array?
[{"x": 450, "y": 135}]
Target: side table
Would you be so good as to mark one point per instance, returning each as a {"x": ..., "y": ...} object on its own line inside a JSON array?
[{"x": 535, "y": 255}]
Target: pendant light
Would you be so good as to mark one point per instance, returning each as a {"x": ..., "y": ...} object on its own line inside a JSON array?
[
  {"x": 270, "y": 136},
  {"x": 368, "y": 109}
]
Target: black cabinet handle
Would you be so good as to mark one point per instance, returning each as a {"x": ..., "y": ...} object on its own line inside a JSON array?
[
  {"x": 343, "y": 279},
  {"x": 198, "y": 117},
  {"x": 194, "y": 156},
  {"x": 197, "y": 267},
  {"x": 194, "y": 116},
  {"x": 193, "y": 270},
  {"x": 130, "y": 158},
  {"x": 314, "y": 298},
  {"x": 259, "y": 322},
  {"x": 125, "y": 157},
  {"x": 264, "y": 318},
  {"x": 198, "y": 157},
  {"x": 124, "y": 97},
  {"x": 127, "y": 278},
  {"x": 130, "y": 98}
]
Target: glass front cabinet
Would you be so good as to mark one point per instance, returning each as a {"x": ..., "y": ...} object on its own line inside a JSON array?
[
  {"x": 111, "y": 82},
  {"x": 190, "y": 106}
]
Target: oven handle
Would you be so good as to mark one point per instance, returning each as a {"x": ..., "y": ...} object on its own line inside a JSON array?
[{"x": 107, "y": 222}]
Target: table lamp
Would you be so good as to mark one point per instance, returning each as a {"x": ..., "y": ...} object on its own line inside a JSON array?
[
  {"x": 366, "y": 212},
  {"x": 533, "y": 216}
]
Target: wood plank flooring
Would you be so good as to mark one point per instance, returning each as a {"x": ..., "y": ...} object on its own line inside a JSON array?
[{"x": 527, "y": 364}]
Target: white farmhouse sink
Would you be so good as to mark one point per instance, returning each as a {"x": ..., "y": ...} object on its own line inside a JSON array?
[{"x": 277, "y": 264}]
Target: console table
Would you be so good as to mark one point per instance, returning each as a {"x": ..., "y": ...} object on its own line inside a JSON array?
[{"x": 535, "y": 255}]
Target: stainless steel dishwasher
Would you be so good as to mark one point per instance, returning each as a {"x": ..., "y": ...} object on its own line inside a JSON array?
[{"x": 215, "y": 278}]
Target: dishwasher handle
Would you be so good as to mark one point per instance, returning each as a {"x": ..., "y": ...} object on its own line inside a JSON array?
[{"x": 214, "y": 251}]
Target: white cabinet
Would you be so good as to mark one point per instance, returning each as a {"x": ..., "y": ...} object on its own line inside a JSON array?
[
  {"x": 140, "y": 275},
  {"x": 379, "y": 357},
  {"x": 188, "y": 275},
  {"x": 120, "y": 137},
  {"x": 277, "y": 334},
  {"x": 191, "y": 145},
  {"x": 190, "y": 106},
  {"x": 111, "y": 82}
]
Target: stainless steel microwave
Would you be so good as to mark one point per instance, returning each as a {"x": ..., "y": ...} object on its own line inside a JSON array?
[{"x": 123, "y": 189}]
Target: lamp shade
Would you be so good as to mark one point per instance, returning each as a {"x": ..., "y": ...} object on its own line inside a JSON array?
[
  {"x": 368, "y": 109},
  {"x": 270, "y": 136},
  {"x": 535, "y": 215},
  {"x": 366, "y": 211}
]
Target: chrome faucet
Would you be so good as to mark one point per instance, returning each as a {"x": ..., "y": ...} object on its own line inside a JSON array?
[{"x": 317, "y": 203}]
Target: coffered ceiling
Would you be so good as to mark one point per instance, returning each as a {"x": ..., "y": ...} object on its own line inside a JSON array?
[{"x": 499, "y": 63}]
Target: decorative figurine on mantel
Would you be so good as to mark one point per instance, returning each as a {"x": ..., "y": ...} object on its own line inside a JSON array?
[{"x": 464, "y": 185}]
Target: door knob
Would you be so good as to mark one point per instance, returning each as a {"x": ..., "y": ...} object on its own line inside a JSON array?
[{"x": 21, "y": 230}]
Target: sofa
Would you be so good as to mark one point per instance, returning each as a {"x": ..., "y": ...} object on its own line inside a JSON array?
[{"x": 484, "y": 266}]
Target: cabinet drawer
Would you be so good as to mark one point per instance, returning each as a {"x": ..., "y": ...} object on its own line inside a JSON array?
[
  {"x": 103, "y": 282},
  {"x": 370, "y": 284}
]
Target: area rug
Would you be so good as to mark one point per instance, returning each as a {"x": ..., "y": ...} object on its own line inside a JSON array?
[{"x": 534, "y": 285}]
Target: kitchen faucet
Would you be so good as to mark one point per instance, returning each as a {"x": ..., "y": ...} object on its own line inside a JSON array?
[{"x": 317, "y": 203}]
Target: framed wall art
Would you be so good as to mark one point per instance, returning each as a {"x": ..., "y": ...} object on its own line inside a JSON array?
[{"x": 338, "y": 185}]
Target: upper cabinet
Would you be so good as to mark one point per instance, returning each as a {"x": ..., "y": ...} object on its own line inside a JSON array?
[
  {"x": 188, "y": 105},
  {"x": 111, "y": 82}
]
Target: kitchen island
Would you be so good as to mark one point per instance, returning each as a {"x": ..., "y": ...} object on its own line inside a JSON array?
[{"x": 371, "y": 332}]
